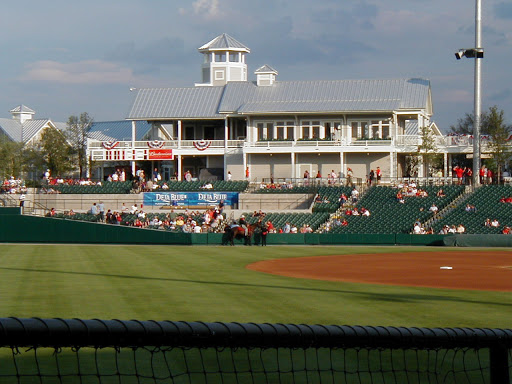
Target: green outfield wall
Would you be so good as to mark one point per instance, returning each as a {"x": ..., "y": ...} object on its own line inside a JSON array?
[{"x": 16, "y": 228}]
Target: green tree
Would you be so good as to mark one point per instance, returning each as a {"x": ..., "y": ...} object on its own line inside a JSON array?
[
  {"x": 492, "y": 124},
  {"x": 11, "y": 157},
  {"x": 56, "y": 151},
  {"x": 33, "y": 163},
  {"x": 78, "y": 131},
  {"x": 428, "y": 148},
  {"x": 498, "y": 144},
  {"x": 464, "y": 125}
]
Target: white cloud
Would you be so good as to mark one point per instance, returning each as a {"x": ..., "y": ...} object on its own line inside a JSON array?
[
  {"x": 82, "y": 72},
  {"x": 207, "y": 8}
]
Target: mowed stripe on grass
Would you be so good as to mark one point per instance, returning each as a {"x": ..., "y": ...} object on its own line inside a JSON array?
[{"x": 198, "y": 283}]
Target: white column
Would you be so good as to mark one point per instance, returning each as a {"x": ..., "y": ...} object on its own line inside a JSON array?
[
  {"x": 392, "y": 164},
  {"x": 179, "y": 167},
  {"x": 179, "y": 134},
  {"x": 292, "y": 158},
  {"x": 445, "y": 164},
  {"x": 342, "y": 163},
  {"x": 226, "y": 133},
  {"x": 134, "y": 135}
]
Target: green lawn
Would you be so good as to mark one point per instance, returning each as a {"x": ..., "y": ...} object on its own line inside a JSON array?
[
  {"x": 212, "y": 284},
  {"x": 184, "y": 283}
]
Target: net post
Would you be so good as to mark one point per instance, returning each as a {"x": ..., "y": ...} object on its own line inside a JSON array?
[{"x": 499, "y": 364}]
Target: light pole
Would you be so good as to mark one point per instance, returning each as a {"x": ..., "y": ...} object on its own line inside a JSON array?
[{"x": 477, "y": 53}]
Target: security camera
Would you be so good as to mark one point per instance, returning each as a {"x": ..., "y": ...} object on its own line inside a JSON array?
[{"x": 460, "y": 54}]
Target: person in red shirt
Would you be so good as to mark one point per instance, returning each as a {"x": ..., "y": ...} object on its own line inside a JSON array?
[
  {"x": 489, "y": 176},
  {"x": 482, "y": 174},
  {"x": 459, "y": 172}
]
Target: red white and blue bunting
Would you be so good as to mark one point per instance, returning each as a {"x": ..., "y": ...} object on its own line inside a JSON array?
[
  {"x": 110, "y": 144},
  {"x": 155, "y": 144},
  {"x": 202, "y": 145}
]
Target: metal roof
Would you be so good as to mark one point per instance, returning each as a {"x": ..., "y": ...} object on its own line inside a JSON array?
[
  {"x": 12, "y": 128},
  {"x": 22, "y": 109},
  {"x": 287, "y": 97},
  {"x": 224, "y": 42},
  {"x": 118, "y": 130},
  {"x": 177, "y": 103},
  {"x": 32, "y": 127},
  {"x": 266, "y": 69},
  {"x": 22, "y": 132},
  {"x": 333, "y": 96}
]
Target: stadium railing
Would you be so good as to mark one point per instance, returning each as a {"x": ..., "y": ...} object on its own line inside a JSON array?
[{"x": 104, "y": 351}]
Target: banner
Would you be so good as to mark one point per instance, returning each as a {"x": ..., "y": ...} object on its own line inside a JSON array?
[
  {"x": 160, "y": 154},
  {"x": 184, "y": 199}
]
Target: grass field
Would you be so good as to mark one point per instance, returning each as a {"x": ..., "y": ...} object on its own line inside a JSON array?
[{"x": 212, "y": 284}]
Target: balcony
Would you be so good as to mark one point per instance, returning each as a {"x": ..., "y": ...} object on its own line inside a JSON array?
[{"x": 141, "y": 150}]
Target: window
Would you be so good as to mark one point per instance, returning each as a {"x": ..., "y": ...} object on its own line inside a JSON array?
[
  {"x": 311, "y": 130},
  {"x": 365, "y": 129},
  {"x": 285, "y": 130},
  {"x": 219, "y": 75},
  {"x": 385, "y": 131},
  {"x": 233, "y": 57},
  {"x": 220, "y": 57},
  {"x": 376, "y": 129},
  {"x": 355, "y": 131},
  {"x": 265, "y": 131}
]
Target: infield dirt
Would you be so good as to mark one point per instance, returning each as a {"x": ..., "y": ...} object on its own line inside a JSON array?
[{"x": 471, "y": 270}]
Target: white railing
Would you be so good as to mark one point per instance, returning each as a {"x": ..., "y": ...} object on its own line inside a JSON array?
[{"x": 205, "y": 145}]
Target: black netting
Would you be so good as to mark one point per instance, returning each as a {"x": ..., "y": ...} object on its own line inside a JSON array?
[{"x": 113, "y": 351}]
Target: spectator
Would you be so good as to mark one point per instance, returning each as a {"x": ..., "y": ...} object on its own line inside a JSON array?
[
  {"x": 355, "y": 195},
  {"x": 461, "y": 229},
  {"x": 371, "y": 176},
  {"x": 349, "y": 176},
  {"x": 94, "y": 209},
  {"x": 378, "y": 173},
  {"x": 434, "y": 209},
  {"x": 489, "y": 176},
  {"x": 495, "y": 223}
]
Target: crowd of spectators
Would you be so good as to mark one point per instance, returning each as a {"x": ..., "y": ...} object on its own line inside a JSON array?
[
  {"x": 411, "y": 190},
  {"x": 452, "y": 229},
  {"x": 14, "y": 186}
]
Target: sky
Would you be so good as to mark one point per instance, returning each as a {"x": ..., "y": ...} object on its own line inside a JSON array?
[{"x": 62, "y": 58}]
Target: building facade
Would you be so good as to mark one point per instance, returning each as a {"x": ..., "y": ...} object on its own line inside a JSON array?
[{"x": 269, "y": 128}]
